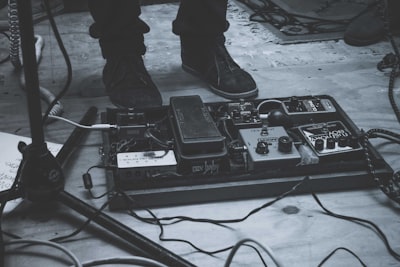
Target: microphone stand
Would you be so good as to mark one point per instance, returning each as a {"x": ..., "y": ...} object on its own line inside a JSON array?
[{"x": 41, "y": 175}]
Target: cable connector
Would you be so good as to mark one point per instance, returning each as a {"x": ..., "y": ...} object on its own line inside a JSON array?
[{"x": 103, "y": 126}]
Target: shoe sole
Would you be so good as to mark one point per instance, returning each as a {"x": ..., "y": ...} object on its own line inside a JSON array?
[
  {"x": 363, "y": 42},
  {"x": 249, "y": 94},
  {"x": 358, "y": 42}
]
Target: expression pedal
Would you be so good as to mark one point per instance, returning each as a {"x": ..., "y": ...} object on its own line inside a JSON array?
[{"x": 269, "y": 147}]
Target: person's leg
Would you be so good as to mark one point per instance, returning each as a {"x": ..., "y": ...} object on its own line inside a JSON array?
[
  {"x": 120, "y": 32},
  {"x": 201, "y": 25},
  {"x": 369, "y": 28},
  {"x": 201, "y": 17}
]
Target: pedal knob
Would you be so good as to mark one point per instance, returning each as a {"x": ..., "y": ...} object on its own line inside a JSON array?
[
  {"x": 354, "y": 141},
  {"x": 285, "y": 144},
  {"x": 343, "y": 141},
  {"x": 319, "y": 144},
  {"x": 330, "y": 143},
  {"x": 262, "y": 147}
]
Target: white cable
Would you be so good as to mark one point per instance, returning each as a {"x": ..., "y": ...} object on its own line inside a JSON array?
[
  {"x": 101, "y": 126},
  {"x": 90, "y": 127},
  {"x": 268, "y": 101},
  {"x": 72, "y": 256}
]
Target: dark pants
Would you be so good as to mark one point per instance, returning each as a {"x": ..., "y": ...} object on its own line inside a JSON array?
[{"x": 120, "y": 30}]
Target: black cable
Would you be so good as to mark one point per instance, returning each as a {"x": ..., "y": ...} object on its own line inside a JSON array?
[
  {"x": 315, "y": 26},
  {"x": 158, "y": 221},
  {"x": 99, "y": 166},
  {"x": 66, "y": 58},
  {"x": 258, "y": 253},
  {"x": 243, "y": 243},
  {"x": 101, "y": 195},
  {"x": 177, "y": 219},
  {"x": 198, "y": 249},
  {"x": 345, "y": 249},
  {"x": 155, "y": 220},
  {"x": 385, "y": 134},
  {"x": 84, "y": 225},
  {"x": 363, "y": 222},
  {"x": 161, "y": 238},
  {"x": 252, "y": 212},
  {"x": 161, "y": 234},
  {"x": 87, "y": 181}
]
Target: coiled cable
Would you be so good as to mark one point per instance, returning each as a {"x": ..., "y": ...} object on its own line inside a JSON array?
[
  {"x": 15, "y": 59},
  {"x": 390, "y": 186},
  {"x": 14, "y": 34}
]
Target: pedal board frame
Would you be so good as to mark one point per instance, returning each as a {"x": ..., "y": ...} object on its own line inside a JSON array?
[{"x": 266, "y": 175}]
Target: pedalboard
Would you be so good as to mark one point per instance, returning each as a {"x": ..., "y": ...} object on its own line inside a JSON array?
[{"x": 191, "y": 152}]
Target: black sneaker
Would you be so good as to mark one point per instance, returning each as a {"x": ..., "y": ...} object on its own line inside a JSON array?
[
  {"x": 368, "y": 28},
  {"x": 210, "y": 61},
  {"x": 128, "y": 83}
]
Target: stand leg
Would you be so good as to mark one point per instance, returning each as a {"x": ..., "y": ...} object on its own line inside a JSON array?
[{"x": 147, "y": 247}]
